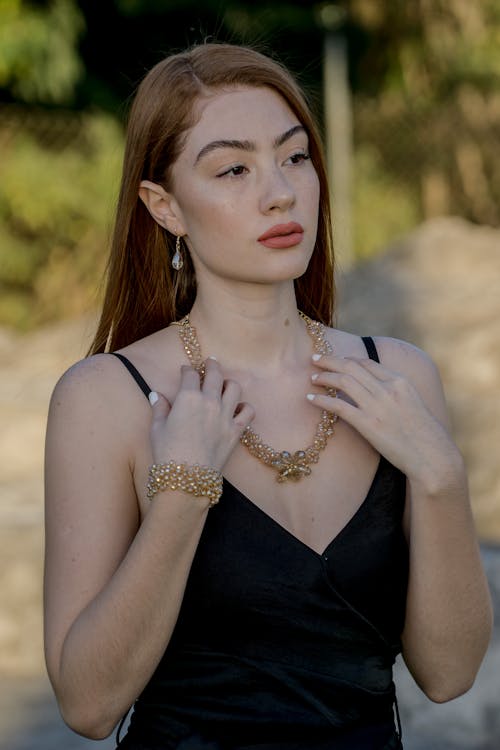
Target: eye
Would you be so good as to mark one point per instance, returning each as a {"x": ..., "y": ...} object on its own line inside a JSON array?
[
  {"x": 237, "y": 171},
  {"x": 298, "y": 158}
]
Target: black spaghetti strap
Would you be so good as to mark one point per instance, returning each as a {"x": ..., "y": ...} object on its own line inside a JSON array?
[
  {"x": 373, "y": 354},
  {"x": 135, "y": 374},
  {"x": 370, "y": 348}
]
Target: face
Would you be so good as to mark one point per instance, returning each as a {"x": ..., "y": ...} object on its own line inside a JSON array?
[{"x": 244, "y": 191}]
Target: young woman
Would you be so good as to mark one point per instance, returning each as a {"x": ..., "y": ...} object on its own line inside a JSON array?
[{"x": 265, "y": 609}]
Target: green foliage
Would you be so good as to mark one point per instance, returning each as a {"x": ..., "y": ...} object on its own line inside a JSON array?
[
  {"x": 424, "y": 51},
  {"x": 39, "y": 61},
  {"x": 383, "y": 208},
  {"x": 55, "y": 216}
]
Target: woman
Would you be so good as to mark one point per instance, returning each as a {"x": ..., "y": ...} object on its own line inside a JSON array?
[{"x": 269, "y": 615}]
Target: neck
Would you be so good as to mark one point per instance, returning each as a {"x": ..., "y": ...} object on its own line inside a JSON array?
[{"x": 259, "y": 332}]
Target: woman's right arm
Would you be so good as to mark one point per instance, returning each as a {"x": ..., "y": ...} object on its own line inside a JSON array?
[{"x": 113, "y": 586}]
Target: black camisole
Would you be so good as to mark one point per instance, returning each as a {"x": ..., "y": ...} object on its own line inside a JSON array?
[{"x": 278, "y": 647}]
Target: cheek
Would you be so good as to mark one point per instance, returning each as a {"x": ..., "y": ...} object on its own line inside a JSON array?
[
  {"x": 307, "y": 185},
  {"x": 206, "y": 212}
]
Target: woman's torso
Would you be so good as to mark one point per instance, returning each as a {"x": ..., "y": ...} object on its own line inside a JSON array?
[{"x": 267, "y": 589}]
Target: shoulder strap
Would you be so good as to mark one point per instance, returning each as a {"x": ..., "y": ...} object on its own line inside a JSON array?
[
  {"x": 370, "y": 348},
  {"x": 135, "y": 374}
]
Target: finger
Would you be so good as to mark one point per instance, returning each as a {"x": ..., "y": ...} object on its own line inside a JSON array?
[
  {"x": 190, "y": 379},
  {"x": 345, "y": 384},
  {"x": 231, "y": 395},
  {"x": 345, "y": 364},
  {"x": 212, "y": 384},
  {"x": 350, "y": 413},
  {"x": 345, "y": 373},
  {"x": 376, "y": 368},
  {"x": 159, "y": 403},
  {"x": 244, "y": 414},
  {"x": 160, "y": 409},
  {"x": 160, "y": 406}
]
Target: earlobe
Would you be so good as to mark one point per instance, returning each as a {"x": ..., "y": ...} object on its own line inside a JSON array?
[{"x": 161, "y": 206}]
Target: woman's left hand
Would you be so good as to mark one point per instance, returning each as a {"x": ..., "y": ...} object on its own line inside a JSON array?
[{"x": 387, "y": 410}]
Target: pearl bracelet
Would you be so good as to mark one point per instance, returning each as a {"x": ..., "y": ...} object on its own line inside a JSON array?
[{"x": 200, "y": 481}]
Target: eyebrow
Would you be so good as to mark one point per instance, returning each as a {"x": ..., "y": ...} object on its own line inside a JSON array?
[{"x": 248, "y": 145}]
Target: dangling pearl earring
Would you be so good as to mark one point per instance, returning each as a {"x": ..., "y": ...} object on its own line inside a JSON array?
[{"x": 177, "y": 261}]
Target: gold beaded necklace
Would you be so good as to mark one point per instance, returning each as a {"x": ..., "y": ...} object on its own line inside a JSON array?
[{"x": 288, "y": 465}]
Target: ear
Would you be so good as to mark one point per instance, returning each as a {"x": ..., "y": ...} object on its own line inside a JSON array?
[{"x": 162, "y": 207}]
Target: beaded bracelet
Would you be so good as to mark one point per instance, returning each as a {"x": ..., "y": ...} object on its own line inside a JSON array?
[{"x": 200, "y": 481}]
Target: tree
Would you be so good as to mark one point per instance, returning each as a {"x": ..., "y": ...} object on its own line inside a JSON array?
[{"x": 39, "y": 60}]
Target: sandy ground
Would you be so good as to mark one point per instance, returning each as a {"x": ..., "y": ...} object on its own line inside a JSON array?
[{"x": 438, "y": 288}]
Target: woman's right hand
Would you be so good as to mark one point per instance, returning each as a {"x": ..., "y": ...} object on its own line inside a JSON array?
[{"x": 203, "y": 424}]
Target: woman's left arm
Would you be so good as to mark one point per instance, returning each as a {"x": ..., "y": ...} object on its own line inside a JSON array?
[{"x": 399, "y": 407}]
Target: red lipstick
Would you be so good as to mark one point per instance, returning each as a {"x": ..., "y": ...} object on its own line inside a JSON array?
[{"x": 282, "y": 235}]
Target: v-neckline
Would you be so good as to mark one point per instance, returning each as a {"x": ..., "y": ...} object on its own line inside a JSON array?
[{"x": 290, "y": 534}]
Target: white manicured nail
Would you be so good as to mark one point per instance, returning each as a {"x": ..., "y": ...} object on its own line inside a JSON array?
[
  {"x": 311, "y": 396},
  {"x": 315, "y": 376},
  {"x": 214, "y": 358},
  {"x": 315, "y": 357},
  {"x": 153, "y": 398}
]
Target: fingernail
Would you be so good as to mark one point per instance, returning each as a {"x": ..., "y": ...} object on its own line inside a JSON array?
[
  {"x": 315, "y": 376},
  {"x": 153, "y": 398},
  {"x": 214, "y": 358},
  {"x": 315, "y": 357},
  {"x": 311, "y": 396}
]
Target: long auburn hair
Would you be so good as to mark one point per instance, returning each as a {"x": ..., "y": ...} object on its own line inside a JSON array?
[{"x": 143, "y": 294}]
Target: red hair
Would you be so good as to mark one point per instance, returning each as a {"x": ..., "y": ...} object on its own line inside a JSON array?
[{"x": 143, "y": 294}]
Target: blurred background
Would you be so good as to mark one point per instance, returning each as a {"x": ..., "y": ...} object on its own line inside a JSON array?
[{"x": 408, "y": 97}]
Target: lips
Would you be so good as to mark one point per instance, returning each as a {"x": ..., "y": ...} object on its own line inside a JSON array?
[{"x": 282, "y": 235}]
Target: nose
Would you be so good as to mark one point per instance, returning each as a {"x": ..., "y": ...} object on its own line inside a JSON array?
[{"x": 277, "y": 193}]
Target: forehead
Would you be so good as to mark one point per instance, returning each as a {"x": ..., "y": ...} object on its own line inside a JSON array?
[{"x": 244, "y": 113}]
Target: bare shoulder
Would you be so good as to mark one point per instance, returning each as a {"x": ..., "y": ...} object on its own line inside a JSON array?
[
  {"x": 99, "y": 379},
  {"x": 418, "y": 368},
  {"x": 401, "y": 358},
  {"x": 108, "y": 380},
  {"x": 408, "y": 360},
  {"x": 97, "y": 401},
  {"x": 98, "y": 394},
  {"x": 394, "y": 354},
  {"x": 97, "y": 373}
]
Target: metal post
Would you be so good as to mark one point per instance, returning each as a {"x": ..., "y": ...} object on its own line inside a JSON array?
[
  {"x": 338, "y": 127},
  {"x": 339, "y": 143}
]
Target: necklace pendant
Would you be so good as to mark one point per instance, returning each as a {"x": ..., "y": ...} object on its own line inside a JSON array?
[{"x": 292, "y": 467}]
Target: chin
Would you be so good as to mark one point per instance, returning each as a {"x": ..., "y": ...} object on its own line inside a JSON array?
[
  {"x": 276, "y": 277},
  {"x": 281, "y": 266},
  {"x": 289, "y": 267}
]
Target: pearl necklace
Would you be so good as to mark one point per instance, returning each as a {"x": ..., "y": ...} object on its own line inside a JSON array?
[{"x": 288, "y": 465}]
